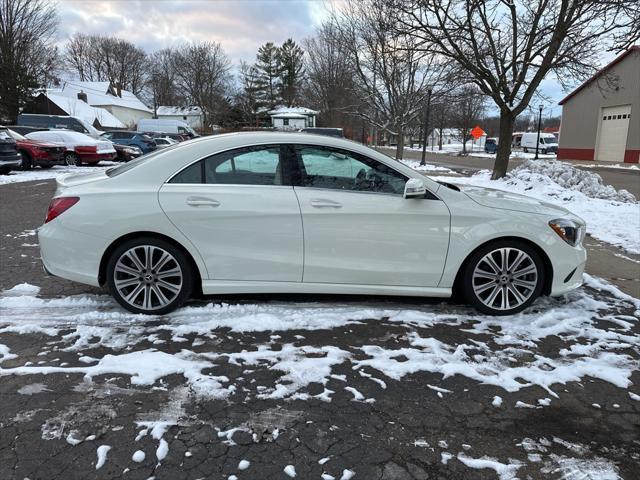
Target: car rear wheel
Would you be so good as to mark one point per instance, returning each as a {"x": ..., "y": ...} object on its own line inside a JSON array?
[
  {"x": 503, "y": 278},
  {"x": 150, "y": 276},
  {"x": 72, "y": 159},
  {"x": 526, "y": 150}
]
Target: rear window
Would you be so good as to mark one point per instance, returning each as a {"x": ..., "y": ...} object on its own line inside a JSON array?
[{"x": 120, "y": 169}]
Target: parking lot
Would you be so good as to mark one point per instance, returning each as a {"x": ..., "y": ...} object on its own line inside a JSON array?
[{"x": 316, "y": 387}]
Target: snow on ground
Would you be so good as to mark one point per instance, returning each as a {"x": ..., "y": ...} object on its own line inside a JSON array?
[
  {"x": 93, "y": 321},
  {"x": 38, "y": 173},
  {"x": 475, "y": 150},
  {"x": 612, "y": 216}
]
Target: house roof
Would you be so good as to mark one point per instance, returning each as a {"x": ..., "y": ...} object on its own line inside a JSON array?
[
  {"x": 288, "y": 115},
  {"x": 171, "y": 110},
  {"x": 78, "y": 108},
  {"x": 102, "y": 94},
  {"x": 618, "y": 59},
  {"x": 297, "y": 110}
]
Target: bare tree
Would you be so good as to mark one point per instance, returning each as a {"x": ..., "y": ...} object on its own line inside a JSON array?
[
  {"x": 393, "y": 76},
  {"x": 27, "y": 57},
  {"x": 161, "y": 81},
  {"x": 466, "y": 110},
  {"x": 203, "y": 75},
  {"x": 507, "y": 47},
  {"x": 330, "y": 83},
  {"x": 99, "y": 58}
]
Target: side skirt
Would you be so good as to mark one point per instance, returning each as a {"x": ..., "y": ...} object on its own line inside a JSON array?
[{"x": 213, "y": 287}]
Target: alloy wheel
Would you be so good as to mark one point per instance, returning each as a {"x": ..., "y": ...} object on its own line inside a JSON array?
[
  {"x": 505, "y": 278},
  {"x": 148, "y": 277}
]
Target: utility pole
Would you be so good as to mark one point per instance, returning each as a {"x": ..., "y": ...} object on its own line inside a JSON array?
[
  {"x": 538, "y": 136},
  {"x": 426, "y": 130}
]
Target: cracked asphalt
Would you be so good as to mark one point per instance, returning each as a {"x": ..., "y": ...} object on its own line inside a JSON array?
[{"x": 421, "y": 426}]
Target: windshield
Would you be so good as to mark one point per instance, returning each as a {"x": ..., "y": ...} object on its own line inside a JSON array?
[{"x": 16, "y": 135}]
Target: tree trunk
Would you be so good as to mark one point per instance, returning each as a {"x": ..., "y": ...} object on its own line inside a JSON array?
[
  {"x": 400, "y": 147},
  {"x": 507, "y": 120}
]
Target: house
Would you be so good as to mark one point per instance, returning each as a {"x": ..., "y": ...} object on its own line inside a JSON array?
[
  {"x": 449, "y": 136},
  {"x": 122, "y": 104},
  {"x": 293, "y": 118},
  {"x": 50, "y": 103},
  {"x": 601, "y": 118},
  {"x": 191, "y": 115}
]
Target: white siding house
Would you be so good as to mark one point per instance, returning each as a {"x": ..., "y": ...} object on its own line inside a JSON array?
[
  {"x": 122, "y": 104},
  {"x": 293, "y": 118},
  {"x": 191, "y": 115}
]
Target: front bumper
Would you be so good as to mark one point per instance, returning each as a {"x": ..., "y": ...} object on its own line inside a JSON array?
[{"x": 568, "y": 267}]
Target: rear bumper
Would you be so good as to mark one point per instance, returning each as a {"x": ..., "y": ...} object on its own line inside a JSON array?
[
  {"x": 96, "y": 157},
  {"x": 10, "y": 162},
  {"x": 59, "y": 249}
]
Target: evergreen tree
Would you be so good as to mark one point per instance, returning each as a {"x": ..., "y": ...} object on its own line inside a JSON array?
[
  {"x": 268, "y": 80},
  {"x": 292, "y": 72}
]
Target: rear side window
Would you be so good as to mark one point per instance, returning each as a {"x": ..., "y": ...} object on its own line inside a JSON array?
[{"x": 258, "y": 165}]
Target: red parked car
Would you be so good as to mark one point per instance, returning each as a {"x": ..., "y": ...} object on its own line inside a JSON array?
[
  {"x": 79, "y": 148},
  {"x": 36, "y": 153}
]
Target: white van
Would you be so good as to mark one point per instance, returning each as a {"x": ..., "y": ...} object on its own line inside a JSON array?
[
  {"x": 166, "y": 125},
  {"x": 548, "y": 142}
]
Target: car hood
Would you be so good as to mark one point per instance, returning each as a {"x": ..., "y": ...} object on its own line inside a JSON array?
[
  {"x": 37, "y": 143},
  {"x": 492, "y": 198}
]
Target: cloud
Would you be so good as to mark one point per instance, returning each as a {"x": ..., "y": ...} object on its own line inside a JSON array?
[{"x": 241, "y": 26}]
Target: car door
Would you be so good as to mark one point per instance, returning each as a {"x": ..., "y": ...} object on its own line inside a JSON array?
[
  {"x": 239, "y": 209},
  {"x": 359, "y": 228}
]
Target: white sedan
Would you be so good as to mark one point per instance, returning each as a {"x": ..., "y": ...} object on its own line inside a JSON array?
[{"x": 299, "y": 213}]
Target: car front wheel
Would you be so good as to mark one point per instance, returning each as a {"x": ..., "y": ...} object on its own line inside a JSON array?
[
  {"x": 503, "y": 278},
  {"x": 150, "y": 276}
]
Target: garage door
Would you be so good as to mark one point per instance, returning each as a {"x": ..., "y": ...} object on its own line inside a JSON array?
[{"x": 614, "y": 125}]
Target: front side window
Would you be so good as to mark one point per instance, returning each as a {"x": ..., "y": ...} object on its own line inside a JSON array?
[
  {"x": 259, "y": 165},
  {"x": 341, "y": 170}
]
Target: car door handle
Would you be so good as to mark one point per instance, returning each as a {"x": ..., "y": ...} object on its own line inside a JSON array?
[
  {"x": 325, "y": 203},
  {"x": 202, "y": 202}
]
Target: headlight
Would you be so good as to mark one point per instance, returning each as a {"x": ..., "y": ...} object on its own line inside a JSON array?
[{"x": 569, "y": 230}]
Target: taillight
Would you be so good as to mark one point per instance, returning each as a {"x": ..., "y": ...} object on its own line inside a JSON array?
[
  {"x": 86, "y": 149},
  {"x": 60, "y": 205}
]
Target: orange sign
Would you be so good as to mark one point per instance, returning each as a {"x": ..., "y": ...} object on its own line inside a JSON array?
[{"x": 477, "y": 132}]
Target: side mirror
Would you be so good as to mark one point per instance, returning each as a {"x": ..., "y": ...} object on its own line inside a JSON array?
[{"x": 414, "y": 188}]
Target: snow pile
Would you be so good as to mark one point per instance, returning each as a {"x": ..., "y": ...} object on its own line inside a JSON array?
[
  {"x": 570, "y": 177},
  {"x": 17, "y": 176},
  {"x": 614, "y": 220}
]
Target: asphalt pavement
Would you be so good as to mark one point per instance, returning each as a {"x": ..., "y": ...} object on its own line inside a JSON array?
[{"x": 363, "y": 420}]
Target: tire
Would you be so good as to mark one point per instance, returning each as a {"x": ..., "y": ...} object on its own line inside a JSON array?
[
  {"x": 544, "y": 152},
  {"x": 71, "y": 159},
  {"x": 480, "y": 281},
  {"x": 526, "y": 150},
  {"x": 125, "y": 276},
  {"x": 27, "y": 162}
]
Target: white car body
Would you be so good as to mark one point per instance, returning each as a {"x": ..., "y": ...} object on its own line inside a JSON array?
[
  {"x": 71, "y": 140},
  {"x": 165, "y": 125},
  {"x": 548, "y": 142},
  {"x": 296, "y": 239}
]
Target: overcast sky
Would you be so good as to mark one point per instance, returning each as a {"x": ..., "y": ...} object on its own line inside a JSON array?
[{"x": 241, "y": 26}]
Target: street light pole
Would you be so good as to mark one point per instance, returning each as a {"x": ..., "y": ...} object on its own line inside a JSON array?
[
  {"x": 538, "y": 136},
  {"x": 426, "y": 130}
]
